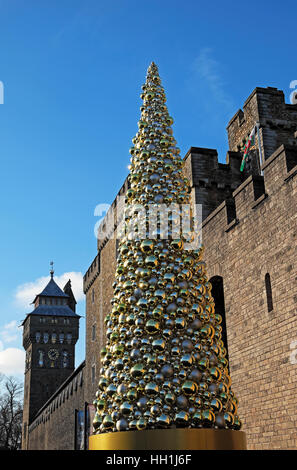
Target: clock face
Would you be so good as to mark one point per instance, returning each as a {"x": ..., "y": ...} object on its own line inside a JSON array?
[{"x": 53, "y": 354}]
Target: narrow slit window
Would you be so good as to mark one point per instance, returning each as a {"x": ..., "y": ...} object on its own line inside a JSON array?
[
  {"x": 268, "y": 292},
  {"x": 94, "y": 332}
]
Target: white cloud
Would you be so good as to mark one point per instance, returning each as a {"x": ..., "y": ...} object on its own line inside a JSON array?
[
  {"x": 12, "y": 361},
  {"x": 11, "y": 325},
  {"x": 208, "y": 69},
  {"x": 10, "y": 332},
  {"x": 26, "y": 293}
]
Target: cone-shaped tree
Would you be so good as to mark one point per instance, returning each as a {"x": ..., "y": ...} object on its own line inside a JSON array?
[{"x": 164, "y": 364}]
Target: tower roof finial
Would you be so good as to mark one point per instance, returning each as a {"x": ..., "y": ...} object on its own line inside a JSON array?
[{"x": 52, "y": 269}]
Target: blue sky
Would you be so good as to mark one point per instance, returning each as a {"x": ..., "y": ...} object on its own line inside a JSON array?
[{"x": 72, "y": 73}]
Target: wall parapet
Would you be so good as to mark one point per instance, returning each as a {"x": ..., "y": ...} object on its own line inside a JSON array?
[
  {"x": 289, "y": 155},
  {"x": 71, "y": 385},
  {"x": 92, "y": 273},
  {"x": 226, "y": 209},
  {"x": 280, "y": 168},
  {"x": 111, "y": 218}
]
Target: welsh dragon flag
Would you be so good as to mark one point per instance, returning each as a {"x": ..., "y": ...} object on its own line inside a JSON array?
[{"x": 250, "y": 142}]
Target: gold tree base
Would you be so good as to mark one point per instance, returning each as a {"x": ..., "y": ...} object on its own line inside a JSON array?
[{"x": 170, "y": 439}]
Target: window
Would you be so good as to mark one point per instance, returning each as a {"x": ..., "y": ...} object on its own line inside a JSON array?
[
  {"x": 93, "y": 296},
  {"x": 218, "y": 295},
  {"x": 45, "y": 337},
  {"x": 37, "y": 336},
  {"x": 94, "y": 332},
  {"x": 69, "y": 338},
  {"x": 40, "y": 358},
  {"x": 65, "y": 359},
  {"x": 54, "y": 338},
  {"x": 61, "y": 338},
  {"x": 268, "y": 292}
]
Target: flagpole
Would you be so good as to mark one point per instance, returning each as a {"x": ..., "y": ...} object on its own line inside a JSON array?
[
  {"x": 247, "y": 148},
  {"x": 259, "y": 145}
]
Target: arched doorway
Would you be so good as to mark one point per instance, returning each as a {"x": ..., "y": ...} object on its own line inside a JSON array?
[{"x": 218, "y": 295}]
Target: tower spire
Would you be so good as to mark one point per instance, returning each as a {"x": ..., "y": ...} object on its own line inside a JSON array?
[
  {"x": 164, "y": 364},
  {"x": 52, "y": 269}
]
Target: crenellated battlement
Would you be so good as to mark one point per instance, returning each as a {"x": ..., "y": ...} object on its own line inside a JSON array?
[
  {"x": 109, "y": 223},
  {"x": 278, "y": 121},
  {"x": 278, "y": 170},
  {"x": 92, "y": 273},
  {"x": 248, "y": 195},
  {"x": 212, "y": 182}
]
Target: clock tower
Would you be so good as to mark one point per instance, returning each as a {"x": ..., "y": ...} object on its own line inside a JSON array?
[{"x": 50, "y": 332}]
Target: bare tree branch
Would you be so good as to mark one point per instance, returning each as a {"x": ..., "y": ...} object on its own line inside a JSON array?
[{"x": 10, "y": 412}]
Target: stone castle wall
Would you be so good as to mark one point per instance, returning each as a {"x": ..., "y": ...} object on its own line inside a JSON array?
[
  {"x": 261, "y": 239},
  {"x": 54, "y": 426}
]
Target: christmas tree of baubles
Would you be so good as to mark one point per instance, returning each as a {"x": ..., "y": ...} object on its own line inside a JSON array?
[{"x": 164, "y": 364}]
